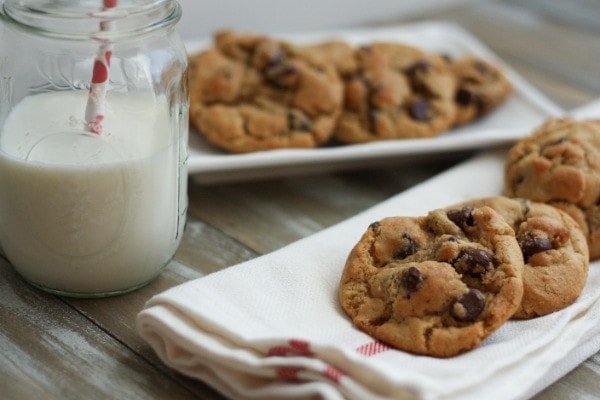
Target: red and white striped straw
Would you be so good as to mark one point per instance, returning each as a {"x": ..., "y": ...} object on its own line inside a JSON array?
[{"x": 94, "y": 112}]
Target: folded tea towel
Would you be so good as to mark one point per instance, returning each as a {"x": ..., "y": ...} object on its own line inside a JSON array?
[{"x": 272, "y": 328}]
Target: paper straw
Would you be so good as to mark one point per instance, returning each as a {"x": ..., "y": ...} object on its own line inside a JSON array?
[{"x": 94, "y": 112}]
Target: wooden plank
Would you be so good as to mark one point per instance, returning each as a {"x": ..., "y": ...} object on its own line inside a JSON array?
[
  {"x": 49, "y": 350},
  {"x": 263, "y": 216},
  {"x": 560, "y": 92},
  {"x": 267, "y": 215},
  {"x": 206, "y": 249}
]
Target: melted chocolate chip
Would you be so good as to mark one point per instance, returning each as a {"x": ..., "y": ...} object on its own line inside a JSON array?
[
  {"x": 374, "y": 225},
  {"x": 483, "y": 107},
  {"x": 282, "y": 74},
  {"x": 411, "y": 280},
  {"x": 298, "y": 121},
  {"x": 419, "y": 66},
  {"x": 420, "y": 110},
  {"x": 366, "y": 48},
  {"x": 531, "y": 244},
  {"x": 267, "y": 55},
  {"x": 469, "y": 306},
  {"x": 408, "y": 247},
  {"x": 464, "y": 97},
  {"x": 275, "y": 55},
  {"x": 482, "y": 68},
  {"x": 473, "y": 261},
  {"x": 479, "y": 257},
  {"x": 461, "y": 217},
  {"x": 519, "y": 180}
]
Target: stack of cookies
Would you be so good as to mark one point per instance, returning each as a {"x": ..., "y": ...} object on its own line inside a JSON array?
[
  {"x": 252, "y": 92},
  {"x": 440, "y": 284}
]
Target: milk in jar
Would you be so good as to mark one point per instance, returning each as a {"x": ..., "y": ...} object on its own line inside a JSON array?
[
  {"x": 94, "y": 107},
  {"x": 85, "y": 213}
]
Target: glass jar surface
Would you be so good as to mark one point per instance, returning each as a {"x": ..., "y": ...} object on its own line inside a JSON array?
[{"x": 93, "y": 142}]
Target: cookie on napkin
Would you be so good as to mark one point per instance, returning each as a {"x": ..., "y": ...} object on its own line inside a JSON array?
[
  {"x": 559, "y": 164},
  {"x": 555, "y": 253},
  {"x": 436, "y": 285}
]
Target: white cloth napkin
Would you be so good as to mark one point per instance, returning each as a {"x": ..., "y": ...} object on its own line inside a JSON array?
[{"x": 271, "y": 328}]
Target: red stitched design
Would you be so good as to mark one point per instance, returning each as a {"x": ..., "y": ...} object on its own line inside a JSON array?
[
  {"x": 295, "y": 347},
  {"x": 333, "y": 374},
  {"x": 288, "y": 373},
  {"x": 372, "y": 348}
]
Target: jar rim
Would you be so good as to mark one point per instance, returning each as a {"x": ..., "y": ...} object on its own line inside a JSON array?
[{"x": 73, "y": 19}]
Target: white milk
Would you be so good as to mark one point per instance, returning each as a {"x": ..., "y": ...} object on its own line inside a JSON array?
[{"x": 91, "y": 214}]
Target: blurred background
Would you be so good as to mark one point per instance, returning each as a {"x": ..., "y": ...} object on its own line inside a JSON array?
[{"x": 202, "y": 18}]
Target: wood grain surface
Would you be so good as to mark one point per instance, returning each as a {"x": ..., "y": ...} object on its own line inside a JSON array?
[{"x": 61, "y": 348}]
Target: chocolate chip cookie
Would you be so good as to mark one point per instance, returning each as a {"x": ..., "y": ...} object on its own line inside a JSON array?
[
  {"x": 396, "y": 92},
  {"x": 559, "y": 164},
  {"x": 555, "y": 253},
  {"x": 482, "y": 87},
  {"x": 435, "y": 285},
  {"x": 250, "y": 93}
]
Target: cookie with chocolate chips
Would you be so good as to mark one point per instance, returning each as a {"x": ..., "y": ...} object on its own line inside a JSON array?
[
  {"x": 559, "y": 164},
  {"x": 555, "y": 253},
  {"x": 250, "y": 93},
  {"x": 482, "y": 87},
  {"x": 396, "y": 92},
  {"x": 435, "y": 285}
]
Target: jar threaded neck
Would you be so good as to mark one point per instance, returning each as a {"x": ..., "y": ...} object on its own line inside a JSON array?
[{"x": 80, "y": 19}]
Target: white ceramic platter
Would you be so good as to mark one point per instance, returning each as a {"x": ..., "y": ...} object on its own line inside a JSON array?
[{"x": 524, "y": 110}]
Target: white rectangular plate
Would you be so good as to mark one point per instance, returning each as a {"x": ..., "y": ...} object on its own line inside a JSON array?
[{"x": 524, "y": 109}]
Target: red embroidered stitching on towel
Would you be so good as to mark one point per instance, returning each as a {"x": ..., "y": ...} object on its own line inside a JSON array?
[{"x": 299, "y": 347}]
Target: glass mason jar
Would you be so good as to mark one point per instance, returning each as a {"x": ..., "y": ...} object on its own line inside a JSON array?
[{"x": 93, "y": 142}]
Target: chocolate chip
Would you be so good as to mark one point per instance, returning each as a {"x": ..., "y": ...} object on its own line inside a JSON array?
[
  {"x": 420, "y": 110},
  {"x": 267, "y": 55},
  {"x": 419, "y": 66},
  {"x": 519, "y": 180},
  {"x": 411, "y": 280},
  {"x": 462, "y": 217},
  {"x": 483, "y": 107},
  {"x": 473, "y": 261},
  {"x": 276, "y": 57},
  {"x": 298, "y": 121},
  {"x": 482, "y": 68},
  {"x": 366, "y": 48},
  {"x": 282, "y": 74},
  {"x": 464, "y": 97},
  {"x": 374, "y": 225},
  {"x": 531, "y": 244},
  {"x": 469, "y": 306},
  {"x": 407, "y": 248}
]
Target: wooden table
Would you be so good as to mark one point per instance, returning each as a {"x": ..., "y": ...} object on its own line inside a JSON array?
[{"x": 62, "y": 348}]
